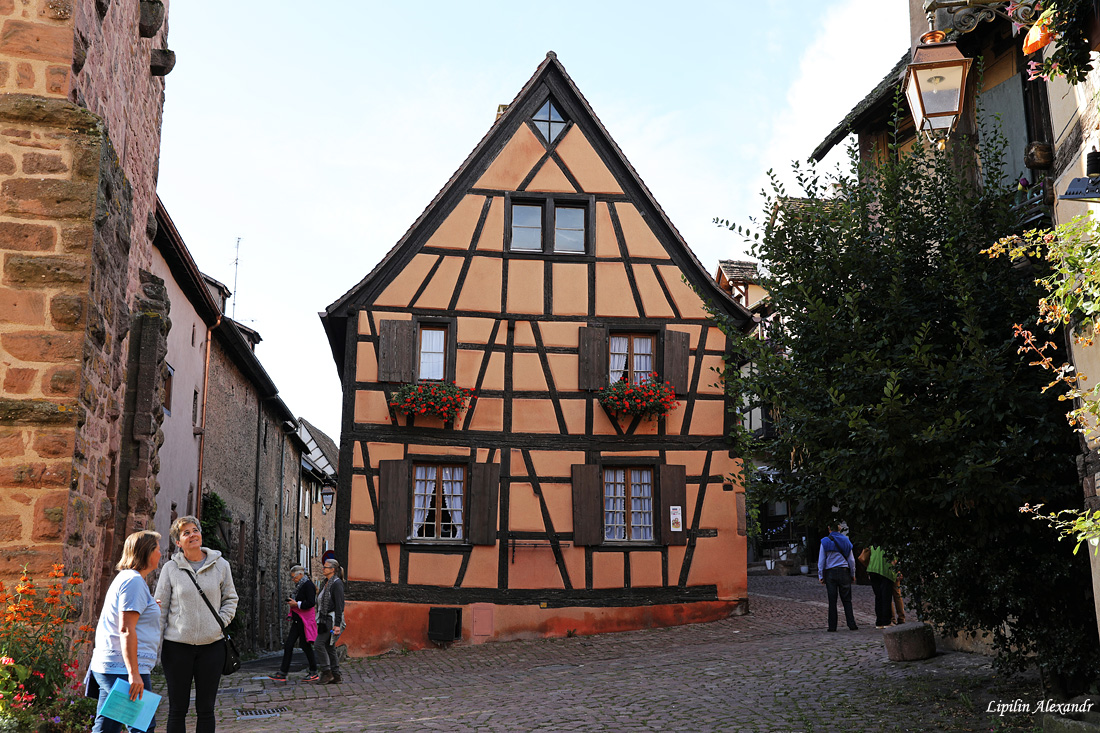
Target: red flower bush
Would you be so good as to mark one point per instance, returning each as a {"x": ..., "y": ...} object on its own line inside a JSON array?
[
  {"x": 38, "y": 648},
  {"x": 438, "y": 399},
  {"x": 649, "y": 399}
]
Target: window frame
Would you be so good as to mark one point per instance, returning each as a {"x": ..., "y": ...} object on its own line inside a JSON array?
[
  {"x": 627, "y": 512},
  {"x": 438, "y": 465},
  {"x": 628, "y": 372},
  {"x": 169, "y": 378},
  {"x": 450, "y": 348},
  {"x": 550, "y": 203},
  {"x": 565, "y": 122}
]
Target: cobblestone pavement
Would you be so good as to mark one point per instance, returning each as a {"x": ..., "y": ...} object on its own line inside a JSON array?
[{"x": 775, "y": 669}]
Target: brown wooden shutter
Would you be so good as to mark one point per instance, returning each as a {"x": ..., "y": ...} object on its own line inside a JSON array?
[
  {"x": 396, "y": 351},
  {"x": 677, "y": 345},
  {"x": 673, "y": 492},
  {"x": 393, "y": 501},
  {"x": 592, "y": 358},
  {"x": 587, "y": 505},
  {"x": 484, "y": 487}
]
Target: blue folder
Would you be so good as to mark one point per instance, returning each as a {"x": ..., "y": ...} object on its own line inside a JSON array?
[{"x": 136, "y": 714}]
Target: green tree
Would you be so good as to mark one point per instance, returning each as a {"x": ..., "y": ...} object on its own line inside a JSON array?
[{"x": 900, "y": 399}]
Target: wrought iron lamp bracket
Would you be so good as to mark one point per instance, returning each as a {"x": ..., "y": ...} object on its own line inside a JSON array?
[{"x": 967, "y": 14}]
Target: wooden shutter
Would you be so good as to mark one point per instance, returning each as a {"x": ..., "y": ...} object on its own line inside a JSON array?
[
  {"x": 592, "y": 358},
  {"x": 677, "y": 345},
  {"x": 484, "y": 487},
  {"x": 587, "y": 505},
  {"x": 673, "y": 493},
  {"x": 393, "y": 501},
  {"x": 396, "y": 351}
]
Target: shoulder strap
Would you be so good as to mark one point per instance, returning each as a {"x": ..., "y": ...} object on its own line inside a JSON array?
[{"x": 206, "y": 600}]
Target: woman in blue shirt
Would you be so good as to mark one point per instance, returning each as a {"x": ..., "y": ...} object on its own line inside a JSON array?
[{"x": 127, "y": 637}]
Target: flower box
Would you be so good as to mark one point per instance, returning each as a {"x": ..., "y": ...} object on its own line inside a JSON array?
[
  {"x": 648, "y": 400},
  {"x": 435, "y": 399}
]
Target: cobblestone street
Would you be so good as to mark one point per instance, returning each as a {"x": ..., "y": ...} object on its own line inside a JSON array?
[{"x": 773, "y": 670}]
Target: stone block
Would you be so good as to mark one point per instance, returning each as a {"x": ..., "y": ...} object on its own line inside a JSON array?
[
  {"x": 18, "y": 380},
  {"x": 44, "y": 270},
  {"x": 909, "y": 642},
  {"x": 11, "y": 444},
  {"x": 7, "y": 7},
  {"x": 24, "y": 75},
  {"x": 67, "y": 312},
  {"x": 26, "y": 237},
  {"x": 57, "y": 80},
  {"x": 56, "y": 9},
  {"x": 7, "y": 164},
  {"x": 22, "y": 306},
  {"x": 42, "y": 346},
  {"x": 38, "y": 560},
  {"x": 49, "y": 513},
  {"x": 21, "y": 39},
  {"x": 11, "y": 528},
  {"x": 35, "y": 476},
  {"x": 63, "y": 381},
  {"x": 77, "y": 238},
  {"x": 53, "y": 443},
  {"x": 43, "y": 164},
  {"x": 37, "y": 412},
  {"x": 47, "y": 198}
]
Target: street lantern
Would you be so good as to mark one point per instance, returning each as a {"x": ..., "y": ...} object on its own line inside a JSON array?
[
  {"x": 327, "y": 495},
  {"x": 935, "y": 83}
]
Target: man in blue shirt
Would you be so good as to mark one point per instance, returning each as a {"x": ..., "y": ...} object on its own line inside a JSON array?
[{"x": 836, "y": 570}]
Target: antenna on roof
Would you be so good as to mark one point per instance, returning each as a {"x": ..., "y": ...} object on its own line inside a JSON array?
[{"x": 236, "y": 262}]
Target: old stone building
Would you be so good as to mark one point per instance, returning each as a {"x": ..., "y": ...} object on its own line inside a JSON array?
[
  {"x": 82, "y": 319},
  {"x": 125, "y": 393}
]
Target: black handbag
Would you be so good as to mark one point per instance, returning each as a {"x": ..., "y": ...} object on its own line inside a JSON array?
[{"x": 232, "y": 657}]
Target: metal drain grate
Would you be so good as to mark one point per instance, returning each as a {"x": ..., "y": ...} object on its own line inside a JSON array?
[{"x": 260, "y": 713}]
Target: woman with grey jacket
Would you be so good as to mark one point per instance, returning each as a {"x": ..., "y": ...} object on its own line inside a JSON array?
[
  {"x": 330, "y": 622},
  {"x": 193, "y": 651}
]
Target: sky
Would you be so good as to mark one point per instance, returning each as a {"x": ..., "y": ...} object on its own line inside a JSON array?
[{"x": 317, "y": 133}]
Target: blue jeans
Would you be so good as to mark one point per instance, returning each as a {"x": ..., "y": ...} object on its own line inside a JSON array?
[{"x": 106, "y": 680}]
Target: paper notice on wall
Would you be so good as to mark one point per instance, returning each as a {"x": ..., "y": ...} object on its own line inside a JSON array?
[{"x": 676, "y": 517}]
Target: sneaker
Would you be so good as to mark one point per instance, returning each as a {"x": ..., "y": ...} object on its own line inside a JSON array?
[
  {"x": 853, "y": 628},
  {"x": 337, "y": 678},
  {"x": 311, "y": 677},
  {"x": 278, "y": 677},
  {"x": 326, "y": 678},
  {"x": 880, "y": 627}
]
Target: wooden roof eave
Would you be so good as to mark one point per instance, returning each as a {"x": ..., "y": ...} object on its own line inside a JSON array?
[{"x": 869, "y": 107}]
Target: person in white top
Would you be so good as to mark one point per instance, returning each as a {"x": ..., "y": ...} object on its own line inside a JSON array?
[{"x": 193, "y": 652}]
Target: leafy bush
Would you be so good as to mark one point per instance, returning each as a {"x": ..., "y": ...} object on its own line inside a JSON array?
[
  {"x": 438, "y": 399},
  {"x": 649, "y": 399},
  {"x": 900, "y": 399}
]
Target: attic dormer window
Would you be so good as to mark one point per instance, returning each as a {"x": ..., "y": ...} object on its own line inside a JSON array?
[{"x": 549, "y": 121}]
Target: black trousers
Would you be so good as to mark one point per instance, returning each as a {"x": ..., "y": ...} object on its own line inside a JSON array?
[
  {"x": 297, "y": 635},
  {"x": 187, "y": 664},
  {"x": 838, "y": 581},
  {"x": 884, "y": 598}
]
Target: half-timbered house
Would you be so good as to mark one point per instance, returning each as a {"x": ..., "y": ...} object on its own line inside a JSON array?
[{"x": 542, "y": 272}]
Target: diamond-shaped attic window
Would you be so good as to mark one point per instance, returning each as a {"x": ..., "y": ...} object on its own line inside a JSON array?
[{"x": 549, "y": 121}]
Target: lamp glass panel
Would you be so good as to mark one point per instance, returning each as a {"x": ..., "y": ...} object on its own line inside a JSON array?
[{"x": 940, "y": 89}]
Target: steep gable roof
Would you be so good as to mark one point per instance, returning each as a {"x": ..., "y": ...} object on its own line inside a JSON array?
[{"x": 549, "y": 80}]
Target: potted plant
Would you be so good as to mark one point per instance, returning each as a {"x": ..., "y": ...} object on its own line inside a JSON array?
[
  {"x": 649, "y": 399},
  {"x": 437, "y": 399}
]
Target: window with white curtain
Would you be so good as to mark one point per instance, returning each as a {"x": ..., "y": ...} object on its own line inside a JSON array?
[
  {"x": 631, "y": 357},
  {"x": 439, "y": 501},
  {"x": 433, "y": 348},
  {"x": 628, "y": 504}
]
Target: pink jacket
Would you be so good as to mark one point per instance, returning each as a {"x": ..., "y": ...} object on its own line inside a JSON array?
[{"x": 309, "y": 621}]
